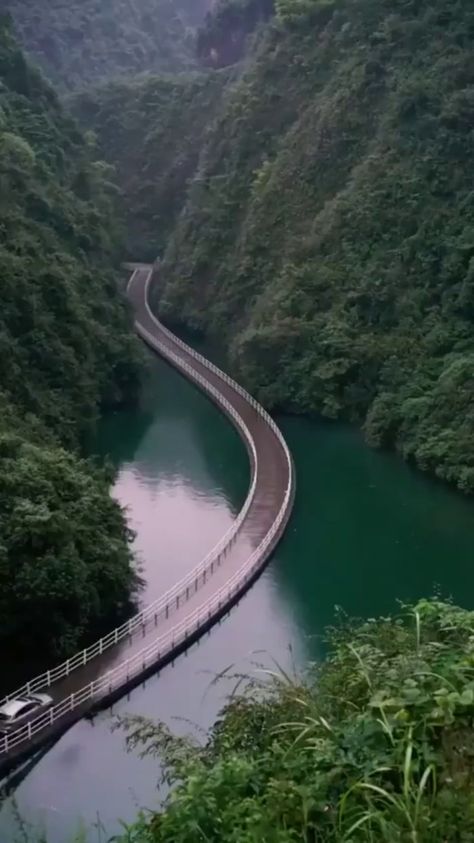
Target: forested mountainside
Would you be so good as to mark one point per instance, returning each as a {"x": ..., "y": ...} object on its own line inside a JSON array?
[
  {"x": 329, "y": 232},
  {"x": 223, "y": 38},
  {"x": 151, "y": 129},
  {"x": 66, "y": 350},
  {"x": 80, "y": 42}
]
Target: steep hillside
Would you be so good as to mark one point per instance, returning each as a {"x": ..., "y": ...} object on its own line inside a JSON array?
[
  {"x": 329, "y": 232},
  {"x": 66, "y": 351},
  {"x": 224, "y": 37},
  {"x": 79, "y": 42},
  {"x": 151, "y": 129},
  {"x": 66, "y": 346}
]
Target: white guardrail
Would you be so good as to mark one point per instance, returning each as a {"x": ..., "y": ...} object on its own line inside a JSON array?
[
  {"x": 163, "y": 607},
  {"x": 182, "y": 591}
]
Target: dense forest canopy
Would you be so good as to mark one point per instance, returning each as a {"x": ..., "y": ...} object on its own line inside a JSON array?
[
  {"x": 66, "y": 352},
  {"x": 89, "y": 41},
  {"x": 64, "y": 549},
  {"x": 329, "y": 230},
  {"x": 151, "y": 129}
]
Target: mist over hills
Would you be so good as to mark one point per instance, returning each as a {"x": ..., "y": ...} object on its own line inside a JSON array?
[{"x": 90, "y": 41}]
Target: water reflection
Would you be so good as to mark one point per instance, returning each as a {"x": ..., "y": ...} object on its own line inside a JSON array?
[{"x": 179, "y": 499}]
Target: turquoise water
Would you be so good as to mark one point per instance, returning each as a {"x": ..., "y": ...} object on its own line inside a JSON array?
[{"x": 366, "y": 532}]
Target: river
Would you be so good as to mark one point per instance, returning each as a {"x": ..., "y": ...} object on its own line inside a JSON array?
[{"x": 366, "y": 531}]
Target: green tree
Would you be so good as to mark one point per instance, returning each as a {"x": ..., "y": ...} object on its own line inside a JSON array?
[
  {"x": 65, "y": 562},
  {"x": 66, "y": 352}
]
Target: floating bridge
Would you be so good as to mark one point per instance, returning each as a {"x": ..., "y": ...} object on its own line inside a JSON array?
[{"x": 117, "y": 662}]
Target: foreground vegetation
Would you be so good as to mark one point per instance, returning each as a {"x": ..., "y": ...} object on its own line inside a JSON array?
[
  {"x": 375, "y": 745},
  {"x": 328, "y": 231},
  {"x": 66, "y": 353}
]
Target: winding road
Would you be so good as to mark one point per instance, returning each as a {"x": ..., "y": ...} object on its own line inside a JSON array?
[{"x": 109, "y": 667}]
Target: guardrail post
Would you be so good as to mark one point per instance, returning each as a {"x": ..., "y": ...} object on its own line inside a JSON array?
[
  {"x": 48, "y": 678},
  {"x": 187, "y": 592},
  {"x": 167, "y": 611},
  {"x": 177, "y": 602}
]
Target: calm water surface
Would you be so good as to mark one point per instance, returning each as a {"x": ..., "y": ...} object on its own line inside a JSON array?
[{"x": 366, "y": 531}]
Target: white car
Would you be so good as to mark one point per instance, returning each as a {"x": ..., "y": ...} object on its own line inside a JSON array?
[{"x": 15, "y": 712}]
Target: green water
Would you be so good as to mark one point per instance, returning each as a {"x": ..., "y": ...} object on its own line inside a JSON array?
[{"x": 366, "y": 531}]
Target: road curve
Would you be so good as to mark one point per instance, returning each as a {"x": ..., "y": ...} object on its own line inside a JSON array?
[{"x": 108, "y": 668}]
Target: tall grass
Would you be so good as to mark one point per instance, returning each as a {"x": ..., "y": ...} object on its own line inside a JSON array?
[{"x": 374, "y": 745}]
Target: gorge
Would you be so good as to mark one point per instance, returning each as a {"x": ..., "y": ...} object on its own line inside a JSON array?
[{"x": 302, "y": 170}]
